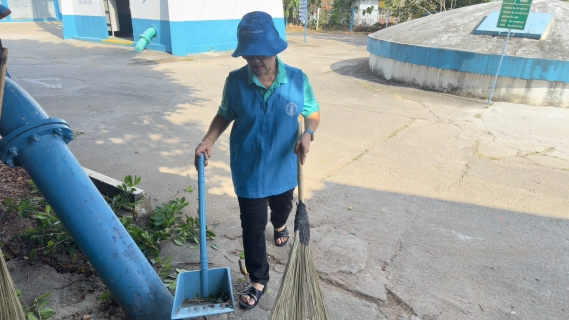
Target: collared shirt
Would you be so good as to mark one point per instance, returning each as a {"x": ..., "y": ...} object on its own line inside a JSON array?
[{"x": 310, "y": 103}]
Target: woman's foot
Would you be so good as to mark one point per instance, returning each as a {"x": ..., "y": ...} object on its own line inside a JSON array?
[
  {"x": 281, "y": 236},
  {"x": 249, "y": 298}
]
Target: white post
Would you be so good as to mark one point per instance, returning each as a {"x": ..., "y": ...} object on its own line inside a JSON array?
[{"x": 317, "y": 17}]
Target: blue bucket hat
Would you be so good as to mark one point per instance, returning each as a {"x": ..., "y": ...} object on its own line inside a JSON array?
[{"x": 257, "y": 36}]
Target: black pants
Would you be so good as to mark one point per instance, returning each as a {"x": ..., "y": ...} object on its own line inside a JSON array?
[{"x": 253, "y": 223}]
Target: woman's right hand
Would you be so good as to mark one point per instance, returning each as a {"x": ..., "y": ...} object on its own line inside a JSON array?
[{"x": 204, "y": 147}]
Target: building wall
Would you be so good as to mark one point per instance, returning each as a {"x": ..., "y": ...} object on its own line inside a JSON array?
[
  {"x": 211, "y": 25},
  {"x": 368, "y": 18},
  {"x": 83, "y": 19},
  {"x": 32, "y": 10},
  {"x": 183, "y": 26},
  {"x": 521, "y": 80}
]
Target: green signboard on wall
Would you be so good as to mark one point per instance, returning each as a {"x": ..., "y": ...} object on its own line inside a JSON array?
[{"x": 514, "y": 14}]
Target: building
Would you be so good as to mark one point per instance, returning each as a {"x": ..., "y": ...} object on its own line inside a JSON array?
[
  {"x": 458, "y": 51},
  {"x": 181, "y": 26},
  {"x": 32, "y": 10}
]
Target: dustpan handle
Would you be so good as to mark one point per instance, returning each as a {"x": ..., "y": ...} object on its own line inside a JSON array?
[{"x": 203, "y": 247}]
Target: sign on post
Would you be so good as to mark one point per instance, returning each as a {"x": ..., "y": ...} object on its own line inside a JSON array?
[
  {"x": 303, "y": 10},
  {"x": 303, "y": 15},
  {"x": 514, "y": 14}
]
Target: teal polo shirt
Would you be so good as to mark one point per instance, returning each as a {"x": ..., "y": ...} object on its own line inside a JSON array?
[{"x": 310, "y": 103}]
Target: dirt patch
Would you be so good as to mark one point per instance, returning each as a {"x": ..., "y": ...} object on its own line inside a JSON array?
[{"x": 16, "y": 187}]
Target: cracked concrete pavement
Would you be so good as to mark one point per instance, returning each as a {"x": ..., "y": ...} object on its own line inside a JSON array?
[{"x": 422, "y": 204}]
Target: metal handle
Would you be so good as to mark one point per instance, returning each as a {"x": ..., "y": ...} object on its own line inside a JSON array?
[
  {"x": 202, "y": 212},
  {"x": 299, "y": 132}
]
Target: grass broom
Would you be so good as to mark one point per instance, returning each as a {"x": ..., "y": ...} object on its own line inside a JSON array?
[
  {"x": 299, "y": 295},
  {"x": 10, "y": 307}
]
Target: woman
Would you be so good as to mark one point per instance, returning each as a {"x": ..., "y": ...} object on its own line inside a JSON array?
[{"x": 265, "y": 99}]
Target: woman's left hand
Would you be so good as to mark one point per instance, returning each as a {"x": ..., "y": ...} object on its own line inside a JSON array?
[{"x": 302, "y": 146}]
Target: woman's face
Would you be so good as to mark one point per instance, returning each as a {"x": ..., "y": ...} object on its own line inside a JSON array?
[{"x": 262, "y": 65}]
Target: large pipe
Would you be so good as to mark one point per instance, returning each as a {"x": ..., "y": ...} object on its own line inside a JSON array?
[
  {"x": 37, "y": 143},
  {"x": 144, "y": 39}
]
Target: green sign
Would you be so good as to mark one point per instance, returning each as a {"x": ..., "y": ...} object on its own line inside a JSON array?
[{"x": 514, "y": 14}]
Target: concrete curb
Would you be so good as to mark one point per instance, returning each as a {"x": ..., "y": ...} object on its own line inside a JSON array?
[{"x": 108, "y": 187}]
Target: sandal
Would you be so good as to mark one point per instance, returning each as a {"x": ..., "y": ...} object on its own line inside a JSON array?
[
  {"x": 281, "y": 234},
  {"x": 254, "y": 294}
]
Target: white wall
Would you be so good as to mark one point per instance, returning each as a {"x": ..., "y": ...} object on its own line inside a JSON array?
[
  {"x": 364, "y": 4},
  {"x": 82, "y": 7},
  {"x": 151, "y": 9},
  {"x": 194, "y": 10},
  {"x": 534, "y": 92}
]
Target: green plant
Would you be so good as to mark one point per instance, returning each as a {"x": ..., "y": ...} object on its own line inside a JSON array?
[
  {"x": 50, "y": 236},
  {"x": 104, "y": 296},
  {"x": 164, "y": 270},
  {"x": 166, "y": 223},
  {"x": 25, "y": 207},
  {"x": 124, "y": 200},
  {"x": 38, "y": 310}
]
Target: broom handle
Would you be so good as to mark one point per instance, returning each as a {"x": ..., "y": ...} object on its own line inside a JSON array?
[
  {"x": 3, "y": 60},
  {"x": 300, "y": 174}
]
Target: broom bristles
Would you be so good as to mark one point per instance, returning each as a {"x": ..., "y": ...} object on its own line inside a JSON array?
[
  {"x": 299, "y": 295},
  {"x": 10, "y": 307}
]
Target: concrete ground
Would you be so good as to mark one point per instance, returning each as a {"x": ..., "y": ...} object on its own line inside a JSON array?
[{"x": 422, "y": 204}]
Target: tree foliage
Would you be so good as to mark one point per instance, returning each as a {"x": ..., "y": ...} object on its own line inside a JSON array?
[
  {"x": 341, "y": 14},
  {"x": 291, "y": 9},
  {"x": 405, "y": 10}
]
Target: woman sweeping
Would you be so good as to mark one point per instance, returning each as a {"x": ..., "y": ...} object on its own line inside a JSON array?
[{"x": 264, "y": 99}]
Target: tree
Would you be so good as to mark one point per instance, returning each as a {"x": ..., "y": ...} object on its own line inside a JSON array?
[
  {"x": 404, "y": 10},
  {"x": 291, "y": 9},
  {"x": 341, "y": 14}
]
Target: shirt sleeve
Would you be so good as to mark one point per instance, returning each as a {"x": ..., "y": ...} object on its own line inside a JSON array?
[
  {"x": 3, "y": 9},
  {"x": 224, "y": 109},
  {"x": 310, "y": 103}
]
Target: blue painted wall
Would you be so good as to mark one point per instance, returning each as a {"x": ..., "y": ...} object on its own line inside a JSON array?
[
  {"x": 211, "y": 35},
  {"x": 512, "y": 67},
  {"x": 162, "y": 41},
  {"x": 84, "y": 27}
]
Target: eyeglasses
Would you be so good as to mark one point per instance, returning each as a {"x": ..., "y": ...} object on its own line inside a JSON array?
[{"x": 249, "y": 58}]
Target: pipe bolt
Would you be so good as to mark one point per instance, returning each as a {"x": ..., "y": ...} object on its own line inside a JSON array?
[
  {"x": 69, "y": 136},
  {"x": 34, "y": 137},
  {"x": 13, "y": 151},
  {"x": 10, "y": 163},
  {"x": 58, "y": 132}
]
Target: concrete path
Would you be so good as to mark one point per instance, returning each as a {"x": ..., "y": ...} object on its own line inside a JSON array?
[{"x": 422, "y": 204}]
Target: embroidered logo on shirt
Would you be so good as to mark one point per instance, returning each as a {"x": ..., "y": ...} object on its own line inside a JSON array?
[
  {"x": 251, "y": 32},
  {"x": 291, "y": 109}
]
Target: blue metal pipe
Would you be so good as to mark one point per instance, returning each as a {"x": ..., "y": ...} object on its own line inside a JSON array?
[{"x": 37, "y": 143}]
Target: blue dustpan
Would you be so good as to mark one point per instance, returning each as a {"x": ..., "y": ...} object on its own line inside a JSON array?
[{"x": 205, "y": 282}]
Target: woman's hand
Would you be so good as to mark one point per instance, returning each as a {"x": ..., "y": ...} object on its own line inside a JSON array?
[
  {"x": 302, "y": 146},
  {"x": 204, "y": 147}
]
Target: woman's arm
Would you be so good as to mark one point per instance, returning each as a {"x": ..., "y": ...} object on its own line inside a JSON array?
[
  {"x": 216, "y": 128},
  {"x": 303, "y": 143}
]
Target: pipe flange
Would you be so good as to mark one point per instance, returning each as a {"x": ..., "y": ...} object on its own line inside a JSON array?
[{"x": 29, "y": 134}]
